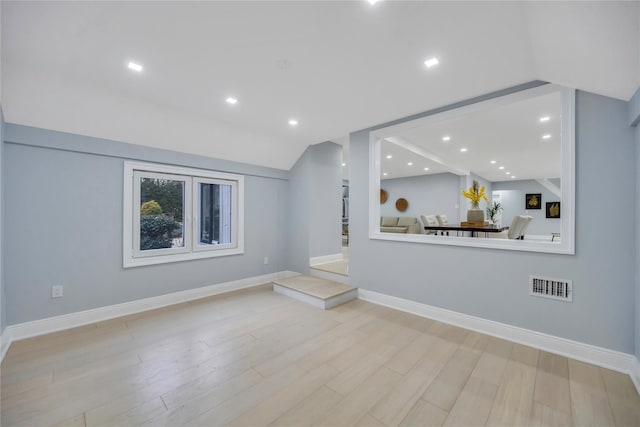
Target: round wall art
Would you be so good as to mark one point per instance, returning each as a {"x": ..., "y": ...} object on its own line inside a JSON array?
[
  {"x": 402, "y": 204},
  {"x": 383, "y": 196}
]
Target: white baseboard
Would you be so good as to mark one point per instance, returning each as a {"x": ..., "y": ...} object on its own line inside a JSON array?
[
  {"x": 72, "y": 320},
  {"x": 599, "y": 356},
  {"x": 325, "y": 259},
  {"x": 4, "y": 346},
  {"x": 635, "y": 374}
]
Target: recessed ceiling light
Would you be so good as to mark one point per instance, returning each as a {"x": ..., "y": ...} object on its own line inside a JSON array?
[
  {"x": 426, "y": 169},
  {"x": 462, "y": 150},
  {"x": 389, "y": 156},
  {"x": 431, "y": 62},
  {"x": 372, "y": 2},
  {"x": 410, "y": 164},
  {"x": 513, "y": 176},
  {"x": 135, "y": 67},
  {"x": 293, "y": 122},
  {"x": 501, "y": 167},
  {"x": 344, "y": 164},
  {"x": 545, "y": 119},
  {"x": 508, "y": 173},
  {"x": 446, "y": 138},
  {"x": 385, "y": 174},
  {"x": 546, "y": 136},
  {"x": 231, "y": 100},
  {"x": 493, "y": 162}
]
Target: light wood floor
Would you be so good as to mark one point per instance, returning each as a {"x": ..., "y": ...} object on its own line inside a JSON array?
[{"x": 256, "y": 358}]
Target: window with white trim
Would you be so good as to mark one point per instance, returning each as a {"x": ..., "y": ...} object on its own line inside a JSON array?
[{"x": 177, "y": 214}]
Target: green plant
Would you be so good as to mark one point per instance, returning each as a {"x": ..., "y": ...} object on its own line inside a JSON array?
[
  {"x": 493, "y": 210},
  {"x": 150, "y": 208},
  {"x": 168, "y": 193},
  {"x": 156, "y": 231}
]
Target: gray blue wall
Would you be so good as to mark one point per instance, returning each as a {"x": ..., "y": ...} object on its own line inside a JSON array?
[
  {"x": 637, "y": 170},
  {"x": 315, "y": 188},
  {"x": 64, "y": 215},
  {"x": 325, "y": 199},
  {"x": 298, "y": 232},
  {"x": 492, "y": 284},
  {"x": 634, "y": 120},
  {"x": 427, "y": 195},
  {"x": 3, "y": 312},
  {"x": 513, "y": 200}
]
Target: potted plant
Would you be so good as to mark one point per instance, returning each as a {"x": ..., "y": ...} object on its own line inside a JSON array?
[
  {"x": 493, "y": 210},
  {"x": 475, "y": 194}
]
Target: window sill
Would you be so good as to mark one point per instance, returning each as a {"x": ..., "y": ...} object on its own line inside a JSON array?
[{"x": 164, "y": 259}]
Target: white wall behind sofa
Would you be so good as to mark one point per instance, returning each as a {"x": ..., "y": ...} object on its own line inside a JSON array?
[{"x": 426, "y": 194}]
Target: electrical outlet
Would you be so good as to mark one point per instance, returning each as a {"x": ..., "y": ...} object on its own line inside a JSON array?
[
  {"x": 56, "y": 291},
  {"x": 266, "y": 260}
]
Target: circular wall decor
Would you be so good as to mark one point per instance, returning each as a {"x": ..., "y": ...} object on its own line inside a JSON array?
[
  {"x": 383, "y": 196},
  {"x": 402, "y": 204}
]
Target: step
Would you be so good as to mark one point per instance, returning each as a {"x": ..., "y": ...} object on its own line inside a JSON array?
[{"x": 319, "y": 292}]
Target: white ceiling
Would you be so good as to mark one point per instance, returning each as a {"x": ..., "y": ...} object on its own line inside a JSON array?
[
  {"x": 335, "y": 66},
  {"x": 511, "y": 135}
]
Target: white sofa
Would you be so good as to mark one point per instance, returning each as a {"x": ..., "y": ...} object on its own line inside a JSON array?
[{"x": 402, "y": 224}]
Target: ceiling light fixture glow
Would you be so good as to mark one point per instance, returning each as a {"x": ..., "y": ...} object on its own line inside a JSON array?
[
  {"x": 446, "y": 138},
  {"x": 372, "y": 2},
  {"x": 493, "y": 162},
  {"x": 546, "y": 136},
  {"x": 426, "y": 169},
  {"x": 501, "y": 167},
  {"x": 463, "y": 150},
  {"x": 545, "y": 119},
  {"x": 508, "y": 173},
  {"x": 135, "y": 67},
  {"x": 293, "y": 122},
  {"x": 431, "y": 62},
  {"x": 410, "y": 164},
  {"x": 344, "y": 164},
  {"x": 513, "y": 176},
  {"x": 389, "y": 156},
  {"x": 231, "y": 100},
  {"x": 385, "y": 174}
]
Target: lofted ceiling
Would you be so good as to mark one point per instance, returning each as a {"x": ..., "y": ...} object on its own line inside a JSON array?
[{"x": 336, "y": 67}]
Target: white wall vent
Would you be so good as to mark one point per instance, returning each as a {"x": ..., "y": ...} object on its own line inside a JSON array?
[{"x": 549, "y": 287}]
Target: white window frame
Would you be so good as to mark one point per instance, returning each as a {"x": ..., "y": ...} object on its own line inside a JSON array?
[
  {"x": 197, "y": 246},
  {"x": 133, "y": 257},
  {"x": 137, "y": 253}
]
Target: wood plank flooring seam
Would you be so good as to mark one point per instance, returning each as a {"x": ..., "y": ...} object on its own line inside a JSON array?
[{"x": 257, "y": 359}]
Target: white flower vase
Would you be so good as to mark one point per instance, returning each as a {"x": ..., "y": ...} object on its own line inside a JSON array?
[{"x": 475, "y": 214}]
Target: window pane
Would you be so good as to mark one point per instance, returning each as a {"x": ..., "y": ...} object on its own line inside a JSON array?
[
  {"x": 215, "y": 214},
  {"x": 161, "y": 213}
]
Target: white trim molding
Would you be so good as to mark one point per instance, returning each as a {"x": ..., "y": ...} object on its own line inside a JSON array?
[
  {"x": 73, "y": 320},
  {"x": 635, "y": 374},
  {"x": 325, "y": 259},
  {"x": 611, "y": 359},
  {"x": 4, "y": 346},
  {"x": 567, "y": 141}
]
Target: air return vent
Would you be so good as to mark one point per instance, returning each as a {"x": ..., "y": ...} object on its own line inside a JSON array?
[{"x": 549, "y": 287}]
